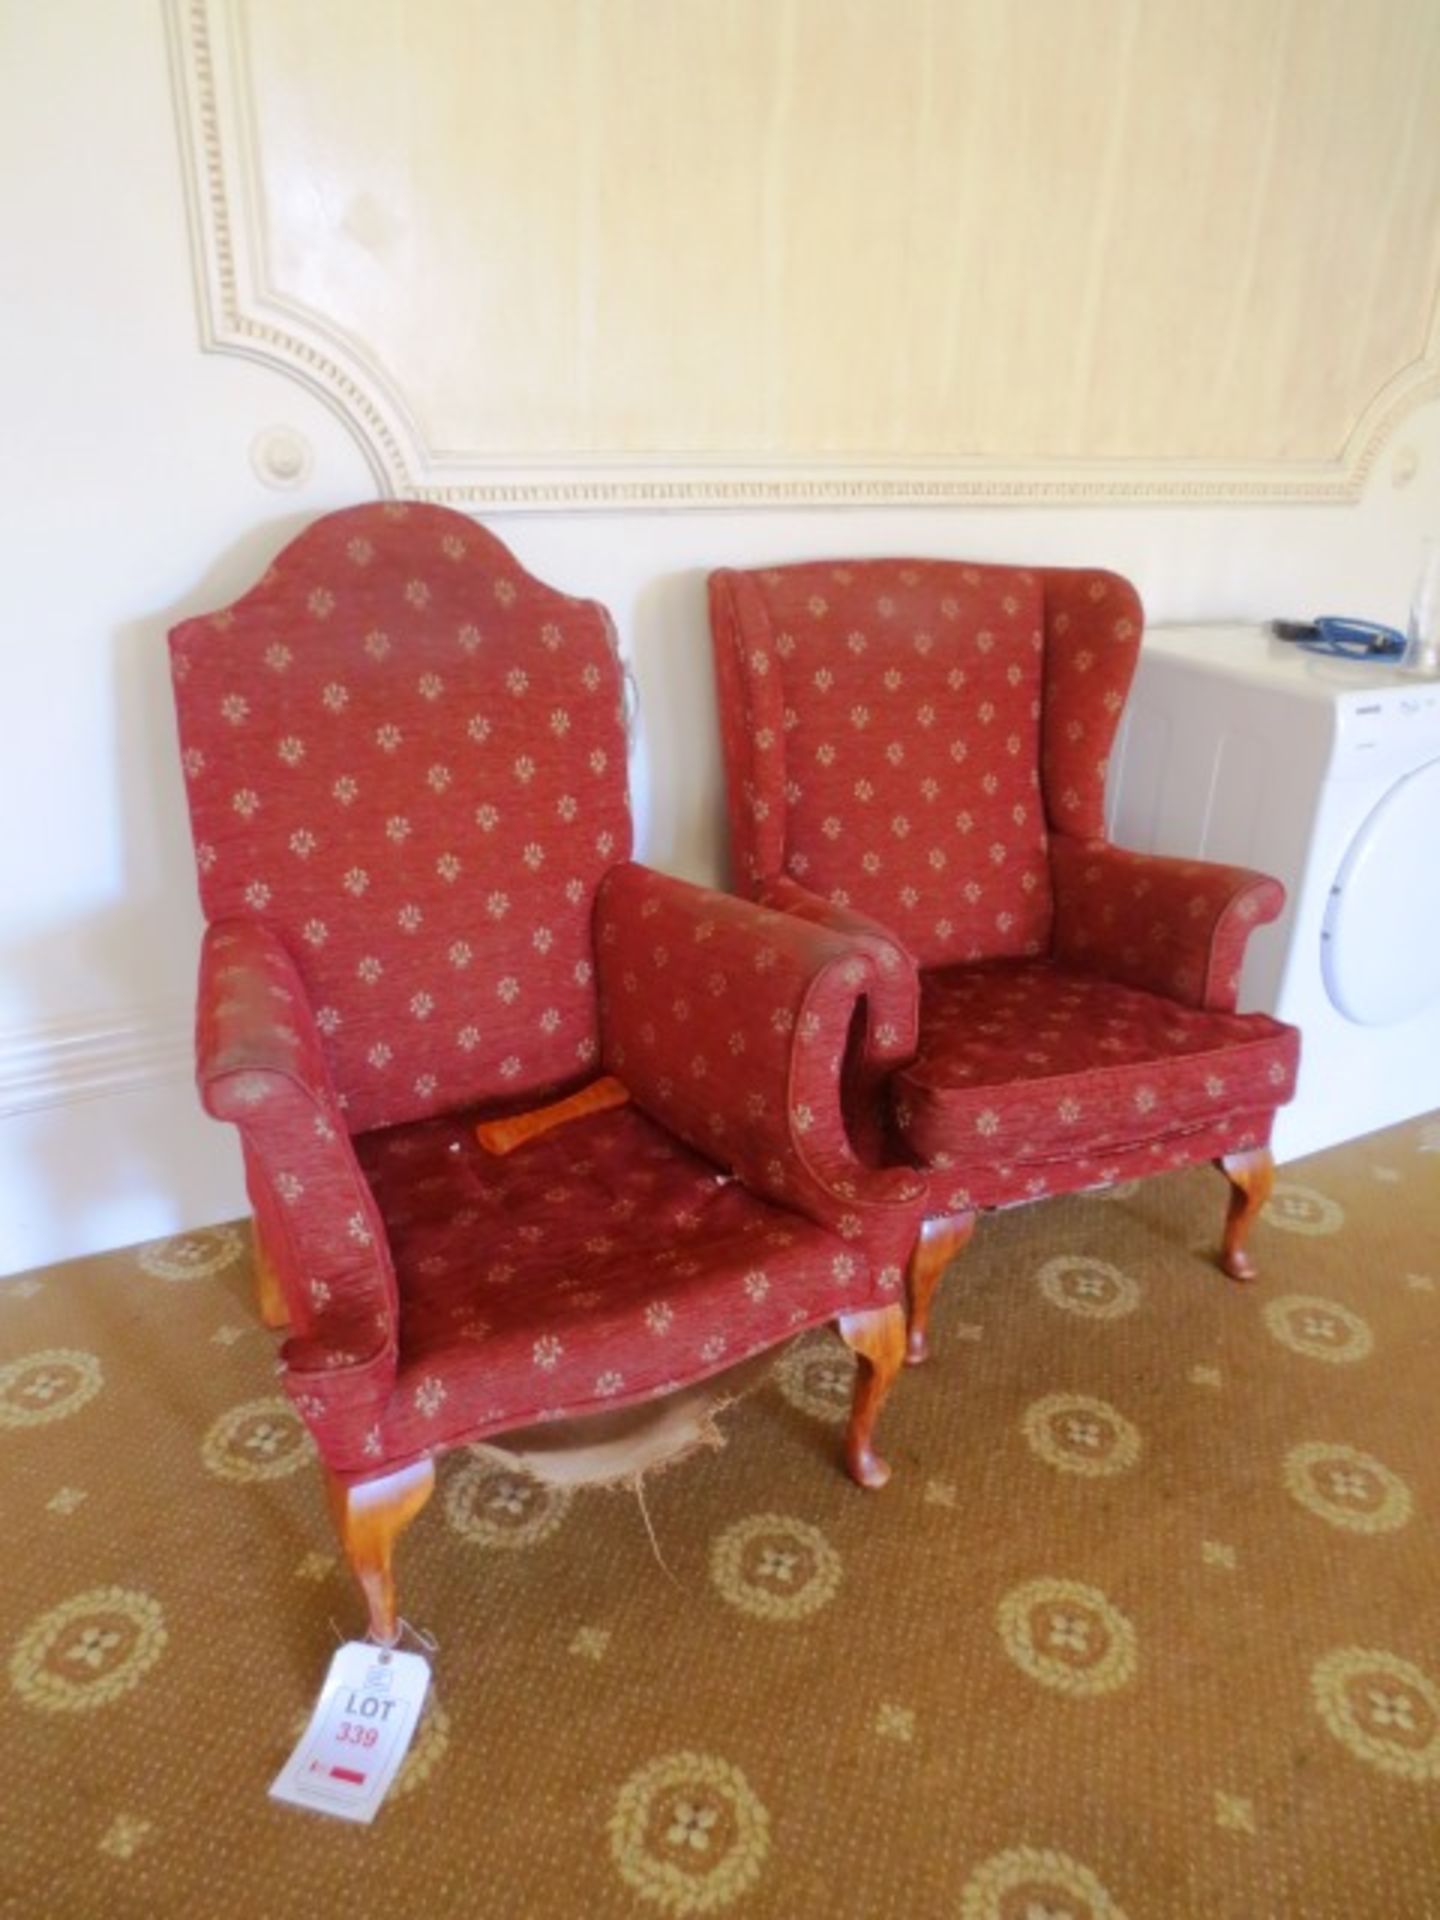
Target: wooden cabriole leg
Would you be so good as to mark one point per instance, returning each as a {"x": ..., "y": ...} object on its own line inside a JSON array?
[
  {"x": 1251, "y": 1176},
  {"x": 269, "y": 1300},
  {"x": 940, "y": 1240},
  {"x": 877, "y": 1337},
  {"x": 369, "y": 1517}
]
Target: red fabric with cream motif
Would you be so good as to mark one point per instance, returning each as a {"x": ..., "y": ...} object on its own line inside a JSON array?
[
  {"x": 407, "y": 757},
  {"x": 925, "y": 744},
  {"x": 406, "y": 768}
]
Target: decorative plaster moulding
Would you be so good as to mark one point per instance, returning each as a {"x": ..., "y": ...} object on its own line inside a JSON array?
[{"x": 300, "y": 260}]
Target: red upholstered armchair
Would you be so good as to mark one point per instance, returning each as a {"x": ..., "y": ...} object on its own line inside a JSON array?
[
  {"x": 406, "y": 765},
  {"x": 916, "y": 755}
]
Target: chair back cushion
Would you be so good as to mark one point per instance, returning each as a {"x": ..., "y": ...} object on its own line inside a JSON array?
[
  {"x": 408, "y": 757},
  {"x": 886, "y": 727}
]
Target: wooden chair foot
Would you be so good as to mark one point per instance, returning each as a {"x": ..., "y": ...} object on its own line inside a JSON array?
[
  {"x": 939, "y": 1242},
  {"x": 269, "y": 1300},
  {"x": 369, "y": 1517},
  {"x": 1251, "y": 1176},
  {"x": 878, "y": 1339}
]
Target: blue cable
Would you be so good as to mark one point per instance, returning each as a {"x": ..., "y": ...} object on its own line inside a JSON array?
[{"x": 1343, "y": 638}]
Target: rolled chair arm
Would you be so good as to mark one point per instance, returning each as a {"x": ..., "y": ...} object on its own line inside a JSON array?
[
  {"x": 259, "y": 1065},
  {"x": 1175, "y": 927},
  {"x": 892, "y": 1032},
  {"x": 895, "y": 1003},
  {"x": 729, "y": 1022}
]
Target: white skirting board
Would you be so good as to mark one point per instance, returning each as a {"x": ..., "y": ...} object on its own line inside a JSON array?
[{"x": 102, "y": 1138}]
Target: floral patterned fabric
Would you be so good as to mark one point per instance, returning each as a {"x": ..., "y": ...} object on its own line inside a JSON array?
[
  {"x": 729, "y": 1022},
  {"x": 1178, "y": 927},
  {"x": 894, "y": 998},
  {"x": 598, "y": 1265},
  {"x": 1093, "y": 628},
  {"x": 259, "y": 1065},
  {"x": 1028, "y": 1061},
  {"x": 407, "y": 779},
  {"x": 408, "y": 758},
  {"x": 920, "y": 748},
  {"x": 962, "y": 1188},
  {"x": 887, "y": 725},
  {"x": 893, "y": 1004}
]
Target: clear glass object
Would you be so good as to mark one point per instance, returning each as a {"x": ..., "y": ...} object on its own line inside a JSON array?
[{"x": 1422, "y": 653}]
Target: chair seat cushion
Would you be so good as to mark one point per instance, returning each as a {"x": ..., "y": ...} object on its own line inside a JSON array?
[
  {"x": 1028, "y": 1061},
  {"x": 595, "y": 1266}
]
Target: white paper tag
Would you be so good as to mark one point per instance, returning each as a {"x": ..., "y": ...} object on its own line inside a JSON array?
[{"x": 359, "y": 1733}]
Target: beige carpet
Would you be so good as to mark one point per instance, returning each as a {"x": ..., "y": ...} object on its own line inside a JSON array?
[{"x": 1147, "y": 1623}]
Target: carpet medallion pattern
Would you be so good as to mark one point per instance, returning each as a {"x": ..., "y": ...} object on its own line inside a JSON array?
[{"x": 1145, "y": 1627}]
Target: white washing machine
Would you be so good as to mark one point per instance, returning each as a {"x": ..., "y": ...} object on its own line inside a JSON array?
[{"x": 1243, "y": 748}]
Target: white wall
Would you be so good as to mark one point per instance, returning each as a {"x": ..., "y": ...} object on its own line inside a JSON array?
[{"x": 129, "y": 501}]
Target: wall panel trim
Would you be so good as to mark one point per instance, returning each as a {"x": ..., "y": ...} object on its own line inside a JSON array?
[{"x": 242, "y": 312}]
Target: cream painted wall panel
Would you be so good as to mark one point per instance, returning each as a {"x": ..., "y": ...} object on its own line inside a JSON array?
[
  {"x": 676, "y": 313},
  {"x": 1241, "y": 282},
  {"x": 949, "y": 248},
  {"x": 511, "y": 207}
]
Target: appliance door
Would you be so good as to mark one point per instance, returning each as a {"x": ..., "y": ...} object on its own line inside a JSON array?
[{"x": 1380, "y": 947}]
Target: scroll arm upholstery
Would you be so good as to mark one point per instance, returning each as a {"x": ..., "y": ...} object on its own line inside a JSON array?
[
  {"x": 259, "y": 1065},
  {"x": 1174, "y": 927},
  {"x": 728, "y": 1022}
]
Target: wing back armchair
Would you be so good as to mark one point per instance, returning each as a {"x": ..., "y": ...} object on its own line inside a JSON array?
[
  {"x": 406, "y": 768},
  {"x": 916, "y": 752}
]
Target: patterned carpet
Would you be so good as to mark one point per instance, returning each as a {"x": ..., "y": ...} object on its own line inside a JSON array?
[{"x": 1147, "y": 1623}]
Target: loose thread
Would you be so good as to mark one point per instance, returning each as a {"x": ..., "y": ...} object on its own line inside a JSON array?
[{"x": 638, "y": 1484}]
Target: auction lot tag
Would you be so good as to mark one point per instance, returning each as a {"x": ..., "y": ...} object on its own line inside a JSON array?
[{"x": 358, "y": 1734}]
